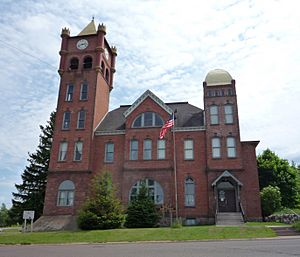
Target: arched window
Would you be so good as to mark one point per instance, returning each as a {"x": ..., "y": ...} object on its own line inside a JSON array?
[
  {"x": 74, "y": 63},
  {"x": 107, "y": 74},
  {"x": 214, "y": 114},
  {"x": 154, "y": 189},
  {"x": 231, "y": 147},
  {"x": 102, "y": 67},
  {"x": 189, "y": 192},
  {"x": 66, "y": 193},
  {"x": 147, "y": 119},
  {"x": 87, "y": 62},
  {"x": 228, "y": 109}
]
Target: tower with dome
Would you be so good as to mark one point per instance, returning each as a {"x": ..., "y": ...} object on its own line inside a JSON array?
[{"x": 199, "y": 171}]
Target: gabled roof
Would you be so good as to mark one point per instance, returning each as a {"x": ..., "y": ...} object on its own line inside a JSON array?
[
  {"x": 148, "y": 93},
  {"x": 90, "y": 29},
  {"x": 226, "y": 174},
  {"x": 187, "y": 116}
]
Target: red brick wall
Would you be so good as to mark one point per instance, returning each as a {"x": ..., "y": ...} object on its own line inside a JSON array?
[{"x": 81, "y": 181}]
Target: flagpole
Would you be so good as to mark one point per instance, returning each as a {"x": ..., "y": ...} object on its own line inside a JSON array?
[{"x": 175, "y": 170}]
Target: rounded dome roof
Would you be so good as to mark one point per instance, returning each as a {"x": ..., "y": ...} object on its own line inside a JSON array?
[{"x": 218, "y": 77}]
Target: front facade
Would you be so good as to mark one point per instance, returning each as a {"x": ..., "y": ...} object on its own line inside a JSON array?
[{"x": 200, "y": 168}]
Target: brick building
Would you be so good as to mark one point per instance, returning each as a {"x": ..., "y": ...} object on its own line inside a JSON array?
[{"x": 211, "y": 172}]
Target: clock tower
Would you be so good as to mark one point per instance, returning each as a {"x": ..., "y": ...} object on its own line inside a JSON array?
[{"x": 87, "y": 67}]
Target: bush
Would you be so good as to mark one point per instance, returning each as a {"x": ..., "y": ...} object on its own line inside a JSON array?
[
  {"x": 296, "y": 225},
  {"x": 103, "y": 209},
  {"x": 141, "y": 212},
  {"x": 270, "y": 200}
]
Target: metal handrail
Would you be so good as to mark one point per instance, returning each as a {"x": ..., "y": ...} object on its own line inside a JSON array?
[{"x": 242, "y": 210}]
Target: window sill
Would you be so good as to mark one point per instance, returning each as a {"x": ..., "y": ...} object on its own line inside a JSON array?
[
  {"x": 190, "y": 207},
  {"x": 189, "y": 159},
  {"x": 108, "y": 162},
  {"x": 80, "y": 128},
  {"x": 65, "y": 129},
  {"x": 62, "y": 161},
  {"x": 216, "y": 158},
  {"x": 83, "y": 100},
  {"x": 77, "y": 160}
]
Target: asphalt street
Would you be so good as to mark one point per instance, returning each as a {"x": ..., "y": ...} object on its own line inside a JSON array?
[{"x": 289, "y": 246}]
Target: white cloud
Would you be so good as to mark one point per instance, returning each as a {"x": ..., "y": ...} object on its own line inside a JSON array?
[{"x": 165, "y": 46}]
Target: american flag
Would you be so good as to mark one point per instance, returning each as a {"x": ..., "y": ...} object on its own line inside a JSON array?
[{"x": 169, "y": 124}]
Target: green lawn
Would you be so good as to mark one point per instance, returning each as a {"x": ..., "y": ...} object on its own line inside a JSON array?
[{"x": 132, "y": 235}]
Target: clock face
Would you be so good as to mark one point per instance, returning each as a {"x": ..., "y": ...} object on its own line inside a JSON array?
[
  {"x": 106, "y": 53},
  {"x": 82, "y": 44}
]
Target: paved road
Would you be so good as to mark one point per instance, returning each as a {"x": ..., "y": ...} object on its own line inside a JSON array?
[{"x": 227, "y": 248}]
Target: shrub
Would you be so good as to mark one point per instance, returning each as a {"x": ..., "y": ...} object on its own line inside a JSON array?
[
  {"x": 103, "y": 209},
  {"x": 296, "y": 225},
  {"x": 141, "y": 212},
  {"x": 270, "y": 200}
]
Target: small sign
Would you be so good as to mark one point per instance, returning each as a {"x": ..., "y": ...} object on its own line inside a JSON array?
[{"x": 28, "y": 215}]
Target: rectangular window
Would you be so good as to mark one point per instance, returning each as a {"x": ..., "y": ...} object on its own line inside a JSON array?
[
  {"x": 78, "y": 151},
  {"x": 62, "y": 155},
  {"x": 84, "y": 91},
  {"x": 228, "y": 114},
  {"x": 109, "y": 152},
  {"x": 214, "y": 115},
  {"x": 216, "y": 147},
  {"x": 66, "y": 120},
  {"x": 161, "y": 149},
  {"x": 65, "y": 198},
  {"x": 133, "y": 150},
  {"x": 147, "y": 154},
  {"x": 231, "y": 149},
  {"x": 69, "y": 94},
  {"x": 81, "y": 119},
  {"x": 188, "y": 149}
]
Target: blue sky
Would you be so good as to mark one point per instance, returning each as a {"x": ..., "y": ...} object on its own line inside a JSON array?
[{"x": 166, "y": 46}]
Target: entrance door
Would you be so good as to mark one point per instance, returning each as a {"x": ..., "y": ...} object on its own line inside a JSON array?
[{"x": 226, "y": 200}]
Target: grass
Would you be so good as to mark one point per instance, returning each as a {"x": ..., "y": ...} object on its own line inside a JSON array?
[
  {"x": 271, "y": 223},
  {"x": 134, "y": 235}
]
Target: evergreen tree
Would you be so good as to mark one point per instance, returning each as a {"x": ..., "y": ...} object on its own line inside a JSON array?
[
  {"x": 31, "y": 192},
  {"x": 275, "y": 171},
  {"x": 103, "y": 209},
  {"x": 141, "y": 212}
]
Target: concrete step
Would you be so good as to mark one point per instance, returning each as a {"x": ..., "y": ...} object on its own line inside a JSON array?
[
  {"x": 229, "y": 219},
  {"x": 285, "y": 231},
  {"x": 59, "y": 222}
]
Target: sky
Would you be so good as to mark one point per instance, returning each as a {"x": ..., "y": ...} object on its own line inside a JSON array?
[{"x": 166, "y": 46}]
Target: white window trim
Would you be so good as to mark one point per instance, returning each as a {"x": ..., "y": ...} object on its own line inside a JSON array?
[
  {"x": 107, "y": 153},
  {"x": 186, "y": 150}
]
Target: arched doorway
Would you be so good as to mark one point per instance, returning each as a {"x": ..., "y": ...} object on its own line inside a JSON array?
[{"x": 227, "y": 192}]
